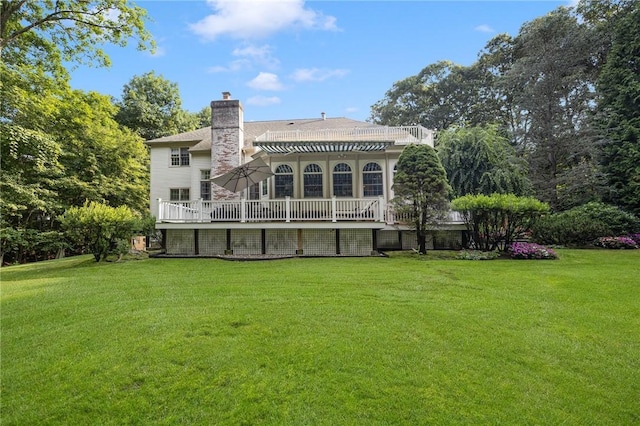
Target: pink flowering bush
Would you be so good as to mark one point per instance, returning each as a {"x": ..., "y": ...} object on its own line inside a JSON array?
[
  {"x": 531, "y": 251},
  {"x": 636, "y": 238},
  {"x": 616, "y": 243}
]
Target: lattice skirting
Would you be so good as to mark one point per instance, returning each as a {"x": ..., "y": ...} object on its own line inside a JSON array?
[{"x": 305, "y": 242}]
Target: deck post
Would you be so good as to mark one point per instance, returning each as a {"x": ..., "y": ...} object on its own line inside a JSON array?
[
  {"x": 334, "y": 214},
  {"x": 160, "y": 210},
  {"x": 381, "y": 209},
  {"x": 200, "y": 209},
  {"x": 243, "y": 211},
  {"x": 287, "y": 203}
]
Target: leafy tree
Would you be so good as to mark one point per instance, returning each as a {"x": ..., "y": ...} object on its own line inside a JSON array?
[
  {"x": 619, "y": 85},
  {"x": 104, "y": 230},
  {"x": 478, "y": 160},
  {"x": 497, "y": 220},
  {"x": 421, "y": 189},
  {"x": 42, "y": 159},
  {"x": 103, "y": 161},
  {"x": 47, "y": 32},
  {"x": 203, "y": 117},
  {"x": 425, "y": 99},
  {"x": 151, "y": 106},
  {"x": 553, "y": 77}
]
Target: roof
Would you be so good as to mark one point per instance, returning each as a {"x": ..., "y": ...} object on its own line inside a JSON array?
[{"x": 253, "y": 129}]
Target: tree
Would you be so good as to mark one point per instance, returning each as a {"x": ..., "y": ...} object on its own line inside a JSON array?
[
  {"x": 619, "y": 107},
  {"x": 103, "y": 161},
  {"x": 428, "y": 98},
  {"x": 48, "y": 134},
  {"x": 151, "y": 107},
  {"x": 497, "y": 220},
  {"x": 48, "y": 32},
  {"x": 478, "y": 160},
  {"x": 552, "y": 78},
  {"x": 104, "y": 230},
  {"x": 421, "y": 189},
  {"x": 203, "y": 117}
]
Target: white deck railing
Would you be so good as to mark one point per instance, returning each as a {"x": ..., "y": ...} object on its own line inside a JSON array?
[
  {"x": 399, "y": 134},
  {"x": 285, "y": 210}
]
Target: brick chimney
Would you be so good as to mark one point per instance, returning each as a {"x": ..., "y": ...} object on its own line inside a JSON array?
[{"x": 227, "y": 139}]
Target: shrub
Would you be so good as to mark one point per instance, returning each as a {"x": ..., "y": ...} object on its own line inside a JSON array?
[
  {"x": 582, "y": 225},
  {"x": 616, "y": 243},
  {"x": 636, "y": 238},
  {"x": 495, "y": 220},
  {"x": 477, "y": 255},
  {"x": 104, "y": 230},
  {"x": 531, "y": 251}
]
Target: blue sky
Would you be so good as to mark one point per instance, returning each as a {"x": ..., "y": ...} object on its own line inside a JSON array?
[{"x": 295, "y": 59}]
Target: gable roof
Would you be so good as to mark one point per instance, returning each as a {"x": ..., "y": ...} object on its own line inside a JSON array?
[{"x": 253, "y": 129}]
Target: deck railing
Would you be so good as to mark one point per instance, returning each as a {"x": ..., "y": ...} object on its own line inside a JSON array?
[
  {"x": 399, "y": 134},
  {"x": 285, "y": 210}
]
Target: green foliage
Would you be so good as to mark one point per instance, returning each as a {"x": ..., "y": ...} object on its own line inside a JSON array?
[
  {"x": 582, "y": 225},
  {"x": 104, "y": 230},
  {"x": 22, "y": 245},
  {"x": 48, "y": 32},
  {"x": 616, "y": 243},
  {"x": 441, "y": 95},
  {"x": 497, "y": 220},
  {"x": 151, "y": 107},
  {"x": 552, "y": 79},
  {"x": 478, "y": 160},
  {"x": 421, "y": 189},
  {"x": 477, "y": 255},
  {"x": 619, "y": 84}
]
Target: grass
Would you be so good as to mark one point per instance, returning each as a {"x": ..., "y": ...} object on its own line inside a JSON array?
[{"x": 398, "y": 340}]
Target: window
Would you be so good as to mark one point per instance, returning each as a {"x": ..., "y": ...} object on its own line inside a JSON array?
[
  {"x": 312, "y": 181},
  {"x": 283, "y": 181},
  {"x": 205, "y": 184},
  {"x": 254, "y": 191},
  {"x": 179, "y": 194},
  {"x": 265, "y": 187},
  {"x": 342, "y": 181},
  {"x": 180, "y": 156},
  {"x": 372, "y": 180}
]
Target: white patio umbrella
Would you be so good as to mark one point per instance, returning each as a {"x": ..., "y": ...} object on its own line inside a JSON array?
[{"x": 244, "y": 176}]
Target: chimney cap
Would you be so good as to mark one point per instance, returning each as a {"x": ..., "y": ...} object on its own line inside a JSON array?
[
  {"x": 226, "y": 95},
  {"x": 324, "y": 116}
]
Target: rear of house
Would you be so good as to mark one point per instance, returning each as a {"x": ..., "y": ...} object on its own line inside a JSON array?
[{"x": 328, "y": 192}]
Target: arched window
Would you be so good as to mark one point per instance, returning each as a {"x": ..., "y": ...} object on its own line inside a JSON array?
[
  {"x": 312, "y": 181},
  {"x": 372, "y": 179},
  {"x": 283, "y": 181},
  {"x": 342, "y": 180}
]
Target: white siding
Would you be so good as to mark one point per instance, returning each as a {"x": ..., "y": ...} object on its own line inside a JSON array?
[{"x": 164, "y": 176}]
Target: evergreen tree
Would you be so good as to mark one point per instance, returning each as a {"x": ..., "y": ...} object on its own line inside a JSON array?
[{"x": 421, "y": 189}]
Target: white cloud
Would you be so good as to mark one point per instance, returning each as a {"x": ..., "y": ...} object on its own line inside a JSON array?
[
  {"x": 261, "y": 55},
  {"x": 352, "y": 109},
  {"x": 484, "y": 28},
  {"x": 233, "y": 66},
  {"x": 263, "y": 100},
  {"x": 252, "y": 19},
  {"x": 266, "y": 81},
  {"x": 317, "y": 74}
]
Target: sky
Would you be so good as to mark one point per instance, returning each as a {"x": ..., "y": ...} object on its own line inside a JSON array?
[{"x": 294, "y": 59}]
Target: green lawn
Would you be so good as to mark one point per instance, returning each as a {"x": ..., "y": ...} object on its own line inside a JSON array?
[{"x": 398, "y": 340}]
